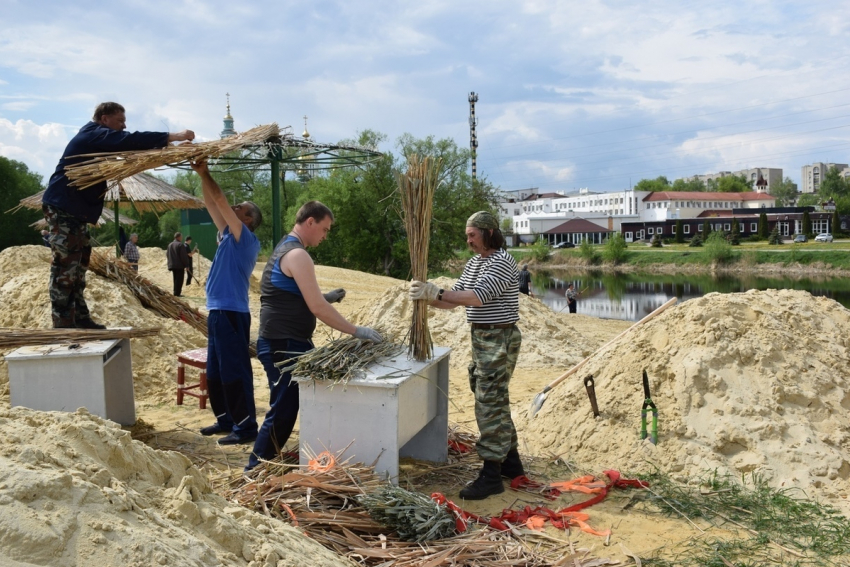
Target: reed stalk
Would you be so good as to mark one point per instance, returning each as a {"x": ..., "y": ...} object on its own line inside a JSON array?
[{"x": 417, "y": 187}]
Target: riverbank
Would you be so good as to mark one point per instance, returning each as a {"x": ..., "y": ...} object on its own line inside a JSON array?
[{"x": 789, "y": 260}]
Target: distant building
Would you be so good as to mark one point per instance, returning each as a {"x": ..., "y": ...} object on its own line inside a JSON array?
[
  {"x": 761, "y": 178},
  {"x": 812, "y": 175}
]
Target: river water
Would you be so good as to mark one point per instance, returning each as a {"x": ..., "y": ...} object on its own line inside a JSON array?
[{"x": 633, "y": 296}]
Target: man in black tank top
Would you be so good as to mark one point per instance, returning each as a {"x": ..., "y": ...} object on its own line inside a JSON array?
[{"x": 291, "y": 301}]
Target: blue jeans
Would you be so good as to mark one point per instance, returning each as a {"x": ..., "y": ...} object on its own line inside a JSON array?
[
  {"x": 283, "y": 397},
  {"x": 230, "y": 379}
]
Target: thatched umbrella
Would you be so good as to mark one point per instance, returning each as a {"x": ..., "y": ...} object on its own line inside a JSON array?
[
  {"x": 142, "y": 192},
  {"x": 106, "y": 216}
]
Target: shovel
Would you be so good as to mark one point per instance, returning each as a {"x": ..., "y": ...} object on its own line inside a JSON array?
[{"x": 537, "y": 403}]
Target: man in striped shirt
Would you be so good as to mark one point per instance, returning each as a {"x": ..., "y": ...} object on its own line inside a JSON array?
[{"x": 489, "y": 290}]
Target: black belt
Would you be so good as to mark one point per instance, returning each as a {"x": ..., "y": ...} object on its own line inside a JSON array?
[{"x": 492, "y": 325}]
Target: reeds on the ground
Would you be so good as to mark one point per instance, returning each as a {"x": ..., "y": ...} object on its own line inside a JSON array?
[
  {"x": 14, "y": 338},
  {"x": 417, "y": 187}
]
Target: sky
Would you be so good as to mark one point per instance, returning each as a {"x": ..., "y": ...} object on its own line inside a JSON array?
[{"x": 571, "y": 94}]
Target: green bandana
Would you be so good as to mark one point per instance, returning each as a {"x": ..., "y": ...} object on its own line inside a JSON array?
[{"x": 483, "y": 219}]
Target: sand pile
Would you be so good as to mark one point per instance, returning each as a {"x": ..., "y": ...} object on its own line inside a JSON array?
[
  {"x": 25, "y": 303},
  {"x": 549, "y": 339},
  {"x": 743, "y": 382},
  {"x": 76, "y": 490}
]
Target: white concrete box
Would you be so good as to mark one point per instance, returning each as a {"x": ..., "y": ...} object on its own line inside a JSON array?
[
  {"x": 399, "y": 408},
  {"x": 96, "y": 375}
]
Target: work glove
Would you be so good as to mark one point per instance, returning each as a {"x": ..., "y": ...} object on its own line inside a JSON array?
[
  {"x": 423, "y": 290},
  {"x": 367, "y": 334},
  {"x": 334, "y": 296}
]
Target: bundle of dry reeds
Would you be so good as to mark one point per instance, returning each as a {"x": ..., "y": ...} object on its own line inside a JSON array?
[
  {"x": 14, "y": 338},
  {"x": 342, "y": 359},
  {"x": 417, "y": 187},
  {"x": 322, "y": 502},
  {"x": 116, "y": 166},
  {"x": 150, "y": 295}
]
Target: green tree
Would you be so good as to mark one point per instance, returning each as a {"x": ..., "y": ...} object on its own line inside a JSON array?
[
  {"x": 368, "y": 232},
  {"x": 774, "y": 237},
  {"x": 615, "y": 249},
  {"x": 735, "y": 234},
  {"x": 706, "y": 229},
  {"x": 17, "y": 182},
  {"x": 807, "y": 223},
  {"x": 692, "y": 184},
  {"x": 833, "y": 185},
  {"x": 696, "y": 241},
  {"x": 785, "y": 192},
  {"x": 733, "y": 184},
  {"x": 680, "y": 236},
  {"x": 717, "y": 249},
  {"x": 763, "y": 229},
  {"x": 835, "y": 225},
  {"x": 660, "y": 183},
  {"x": 808, "y": 200}
]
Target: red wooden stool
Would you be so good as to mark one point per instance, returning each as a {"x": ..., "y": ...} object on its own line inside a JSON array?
[{"x": 198, "y": 359}]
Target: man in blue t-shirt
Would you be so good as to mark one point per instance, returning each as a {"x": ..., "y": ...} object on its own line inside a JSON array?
[
  {"x": 69, "y": 210},
  {"x": 230, "y": 380}
]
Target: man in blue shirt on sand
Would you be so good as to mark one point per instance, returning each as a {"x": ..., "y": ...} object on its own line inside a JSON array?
[
  {"x": 69, "y": 210},
  {"x": 230, "y": 380}
]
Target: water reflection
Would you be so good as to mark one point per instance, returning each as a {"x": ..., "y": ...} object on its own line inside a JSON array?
[{"x": 633, "y": 296}]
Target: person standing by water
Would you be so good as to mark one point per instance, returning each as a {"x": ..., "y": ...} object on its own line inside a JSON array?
[
  {"x": 525, "y": 281},
  {"x": 489, "y": 290},
  {"x": 572, "y": 294}
]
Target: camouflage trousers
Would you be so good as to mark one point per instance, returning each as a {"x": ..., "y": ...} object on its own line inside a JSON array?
[
  {"x": 71, "y": 246},
  {"x": 494, "y": 356}
]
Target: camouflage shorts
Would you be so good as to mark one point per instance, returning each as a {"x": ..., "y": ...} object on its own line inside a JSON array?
[
  {"x": 494, "y": 356},
  {"x": 71, "y": 246}
]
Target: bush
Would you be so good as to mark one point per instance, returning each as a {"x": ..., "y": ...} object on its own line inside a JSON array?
[
  {"x": 774, "y": 237},
  {"x": 696, "y": 241},
  {"x": 539, "y": 250},
  {"x": 587, "y": 252},
  {"x": 615, "y": 249},
  {"x": 717, "y": 249},
  {"x": 655, "y": 242}
]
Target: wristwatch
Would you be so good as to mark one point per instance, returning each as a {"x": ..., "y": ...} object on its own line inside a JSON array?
[{"x": 440, "y": 294}]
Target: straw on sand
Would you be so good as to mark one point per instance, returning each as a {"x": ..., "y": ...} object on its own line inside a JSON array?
[
  {"x": 14, "y": 338},
  {"x": 149, "y": 294},
  {"x": 117, "y": 166},
  {"x": 417, "y": 187}
]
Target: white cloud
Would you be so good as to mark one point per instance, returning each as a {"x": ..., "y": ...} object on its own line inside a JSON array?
[{"x": 39, "y": 146}]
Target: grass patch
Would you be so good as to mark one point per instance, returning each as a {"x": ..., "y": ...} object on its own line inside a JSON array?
[{"x": 775, "y": 527}]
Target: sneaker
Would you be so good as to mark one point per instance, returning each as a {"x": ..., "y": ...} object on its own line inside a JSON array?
[
  {"x": 234, "y": 439},
  {"x": 89, "y": 324},
  {"x": 213, "y": 429}
]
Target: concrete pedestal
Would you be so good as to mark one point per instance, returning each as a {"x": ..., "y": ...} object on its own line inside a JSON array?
[
  {"x": 398, "y": 409},
  {"x": 96, "y": 375}
]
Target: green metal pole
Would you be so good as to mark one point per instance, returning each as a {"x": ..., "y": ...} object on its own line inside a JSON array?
[
  {"x": 117, "y": 230},
  {"x": 276, "y": 228}
]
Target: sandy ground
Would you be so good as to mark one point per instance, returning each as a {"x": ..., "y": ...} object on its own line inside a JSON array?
[{"x": 739, "y": 380}]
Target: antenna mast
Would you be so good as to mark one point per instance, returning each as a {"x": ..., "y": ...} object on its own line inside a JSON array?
[{"x": 473, "y": 138}]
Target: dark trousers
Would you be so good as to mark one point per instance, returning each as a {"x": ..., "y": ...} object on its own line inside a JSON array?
[
  {"x": 177, "y": 275},
  {"x": 188, "y": 276},
  {"x": 230, "y": 378},
  {"x": 572, "y": 305},
  {"x": 71, "y": 247},
  {"x": 283, "y": 397}
]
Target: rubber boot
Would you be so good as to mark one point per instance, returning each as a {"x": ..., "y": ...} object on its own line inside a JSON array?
[
  {"x": 489, "y": 482},
  {"x": 512, "y": 465}
]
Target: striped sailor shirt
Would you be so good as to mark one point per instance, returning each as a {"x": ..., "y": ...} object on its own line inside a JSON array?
[{"x": 495, "y": 281}]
